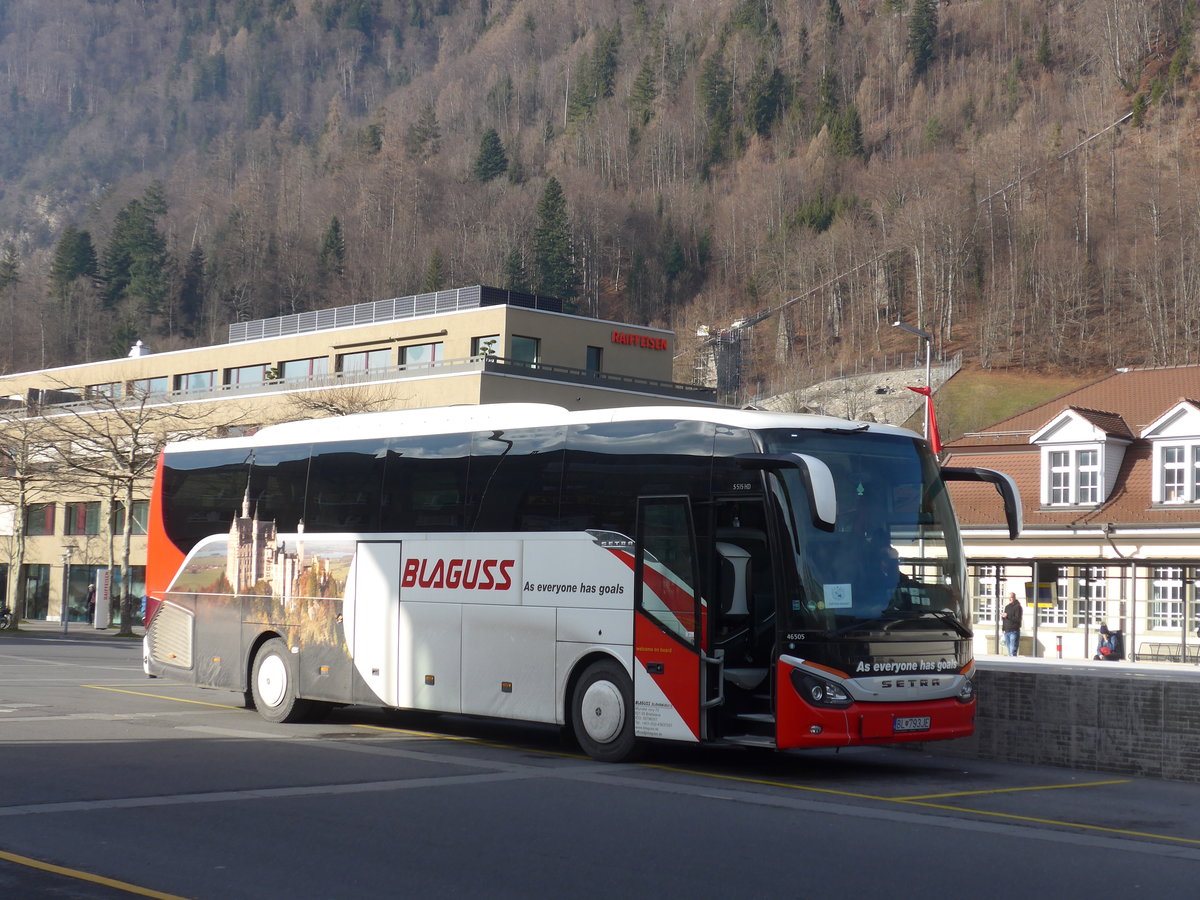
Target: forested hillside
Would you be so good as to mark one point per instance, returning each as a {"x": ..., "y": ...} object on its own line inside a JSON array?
[{"x": 1018, "y": 177}]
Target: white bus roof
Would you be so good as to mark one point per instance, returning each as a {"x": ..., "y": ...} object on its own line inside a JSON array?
[{"x": 492, "y": 416}]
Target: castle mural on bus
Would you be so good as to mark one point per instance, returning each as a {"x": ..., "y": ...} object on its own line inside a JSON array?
[{"x": 255, "y": 559}]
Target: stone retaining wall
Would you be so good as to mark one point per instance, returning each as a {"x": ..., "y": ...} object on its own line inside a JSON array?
[{"x": 1139, "y": 720}]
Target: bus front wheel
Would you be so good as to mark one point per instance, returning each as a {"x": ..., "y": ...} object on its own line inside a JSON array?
[
  {"x": 602, "y": 713},
  {"x": 273, "y": 684}
]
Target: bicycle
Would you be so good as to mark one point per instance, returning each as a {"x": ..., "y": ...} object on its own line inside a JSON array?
[{"x": 7, "y": 620}]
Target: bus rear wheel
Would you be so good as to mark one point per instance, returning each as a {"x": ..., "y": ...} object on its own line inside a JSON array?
[
  {"x": 602, "y": 713},
  {"x": 273, "y": 684}
]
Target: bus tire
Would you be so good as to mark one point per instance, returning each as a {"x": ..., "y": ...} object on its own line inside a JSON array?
[
  {"x": 602, "y": 713},
  {"x": 273, "y": 683}
]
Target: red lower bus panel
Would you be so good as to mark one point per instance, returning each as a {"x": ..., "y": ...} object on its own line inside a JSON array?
[{"x": 865, "y": 723}]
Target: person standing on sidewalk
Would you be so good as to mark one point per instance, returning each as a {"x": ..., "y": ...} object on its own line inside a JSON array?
[{"x": 1010, "y": 624}]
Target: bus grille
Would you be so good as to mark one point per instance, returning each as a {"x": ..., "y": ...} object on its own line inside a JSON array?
[{"x": 171, "y": 636}]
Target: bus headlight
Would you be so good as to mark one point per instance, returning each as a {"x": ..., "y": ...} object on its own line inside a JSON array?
[
  {"x": 966, "y": 693},
  {"x": 818, "y": 691}
]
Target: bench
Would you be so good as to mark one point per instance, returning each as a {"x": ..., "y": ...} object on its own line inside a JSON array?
[{"x": 1154, "y": 651}]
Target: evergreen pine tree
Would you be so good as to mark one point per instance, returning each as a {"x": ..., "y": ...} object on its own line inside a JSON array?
[
  {"x": 645, "y": 90},
  {"x": 74, "y": 257},
  {"x": 135, "y": 261},
  {"x": 491, "y": 160},
  {"x": 191, "y": 291},
  {"x": 922, "y": 34},
  {"x": 552, "y": 261},
  {"x": 332, "y": 258},
  {"x": 424, "y": 136},
  {"x": 435, "y": 273},
  {"x": 515, "y": 277}
]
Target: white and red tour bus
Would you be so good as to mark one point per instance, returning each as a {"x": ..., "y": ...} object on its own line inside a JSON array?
[{"x": 701, "y": 575}]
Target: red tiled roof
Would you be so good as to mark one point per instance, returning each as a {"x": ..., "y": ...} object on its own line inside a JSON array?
[
  {"x": 1121, "y": 405},
  {"x": 1137, "y": 397}
]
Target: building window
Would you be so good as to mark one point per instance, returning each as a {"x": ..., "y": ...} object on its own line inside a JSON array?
[
  {"x": 489, "y": 345},
  {"x": 1090, "y": 606},
  {"x": 1072, "y": 477},
  {"x": 150, "y": 387},
  {"x": 525, "y": 350},
  {"x": 1060, "y": 477},
  {"x": 37, "y": 590},
  {"x": 304, "y": 369},
  {"x": 82, "y": 518},
  {"x": 595, "y": 355},
  {"x": 987, "y": 589},
  {"x": 365, "y": 360},
  {"x": 1173, "y": 475},
  {"x": 420, "y": 354},
  {"x": 196, "y": 381},
  {"x": 110, "y": 390},
  {"x": 1166, "y": 597},
  {"x": 1088, "y": 462},
  {"x": 246, "y": 375},
  {"x": 39, "y": 519},
  {"x": 141, "y": 513}
]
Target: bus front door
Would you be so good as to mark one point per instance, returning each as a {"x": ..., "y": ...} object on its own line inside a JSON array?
[{"x": 669, "y": 623}]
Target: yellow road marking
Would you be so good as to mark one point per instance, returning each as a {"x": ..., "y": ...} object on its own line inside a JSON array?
[
  {"x": 1036, "y": 787},
  {"x": 125, "y": 886},
  {"x": 100, "y": 687}
]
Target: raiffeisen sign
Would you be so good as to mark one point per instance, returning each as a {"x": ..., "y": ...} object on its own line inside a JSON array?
[{"x": 639, "y": 340}]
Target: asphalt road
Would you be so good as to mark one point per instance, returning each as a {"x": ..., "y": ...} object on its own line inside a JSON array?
[{"x": 114, "y": 785}]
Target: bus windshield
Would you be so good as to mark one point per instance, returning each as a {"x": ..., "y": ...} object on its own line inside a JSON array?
[{"x": 893, "y": 560}]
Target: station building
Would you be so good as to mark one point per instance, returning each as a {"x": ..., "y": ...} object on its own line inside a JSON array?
[
  {"x": 1109, "y": 476},
  {"x": 469, "y": 345}
]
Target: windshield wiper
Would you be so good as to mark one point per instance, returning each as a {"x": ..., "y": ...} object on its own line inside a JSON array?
[
  {"x": 897, "y": 617},
  {"x": 948, "y": 619}
]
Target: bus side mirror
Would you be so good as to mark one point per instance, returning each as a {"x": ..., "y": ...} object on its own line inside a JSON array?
[
  {"x": 1004, "y": 484},
  {"x": 817, "y": 478}
]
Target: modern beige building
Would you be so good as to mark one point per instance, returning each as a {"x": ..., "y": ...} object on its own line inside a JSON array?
[{"x": 464, "y": 346}]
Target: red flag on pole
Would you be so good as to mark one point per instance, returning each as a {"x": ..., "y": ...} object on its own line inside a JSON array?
[{"x": 935, "y": 441}]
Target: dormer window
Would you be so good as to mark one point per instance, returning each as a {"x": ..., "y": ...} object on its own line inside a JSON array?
[
  {"x": 1175, "y": 436},
  {"x": 1082, "y": 451},
  {"x": 1180, "y": 478},
  {"x": 1073, "y": 477}
]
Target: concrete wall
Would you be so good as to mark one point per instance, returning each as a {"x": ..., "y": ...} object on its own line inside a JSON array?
[{"x": 1121, "y": 718}]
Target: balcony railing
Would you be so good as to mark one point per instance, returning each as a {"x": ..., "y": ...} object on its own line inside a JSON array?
[{"x": 487, "y": 364}]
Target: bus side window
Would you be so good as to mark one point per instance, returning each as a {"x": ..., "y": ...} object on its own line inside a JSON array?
[{"x": 425, "y": 483}]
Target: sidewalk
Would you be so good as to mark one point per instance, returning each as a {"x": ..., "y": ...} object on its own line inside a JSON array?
[{"x": 41, "y": 627}]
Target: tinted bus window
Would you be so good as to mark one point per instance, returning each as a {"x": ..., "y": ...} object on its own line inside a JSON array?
[
  {"x": 515, "y": 479},
  {"x": 345, "y": 481},
  {"x": 425, "y": 483},
  {"x": 278, "y": 476},
  {"x": 202, "y": 492},
  {"x": 611, "y": 464}
]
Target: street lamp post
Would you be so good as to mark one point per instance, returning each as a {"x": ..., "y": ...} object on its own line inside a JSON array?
[
  {"x": 928, "y": 338},
  {"x": 66, "y": 595}
]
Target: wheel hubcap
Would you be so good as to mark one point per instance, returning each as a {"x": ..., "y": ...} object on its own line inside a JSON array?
[
  {"x": 272, "y": 680},
  {"x": 603, "y": 711}
]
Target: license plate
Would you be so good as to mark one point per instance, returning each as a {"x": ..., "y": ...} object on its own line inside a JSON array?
[{"x": 911, "y": 723}]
